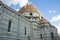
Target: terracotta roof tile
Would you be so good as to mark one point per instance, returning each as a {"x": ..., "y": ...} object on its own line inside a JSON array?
[
  {"x": 43, "y": 20},
  {"x": 29, "y": 8}
]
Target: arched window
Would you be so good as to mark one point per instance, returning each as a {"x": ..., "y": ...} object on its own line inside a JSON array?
[
  {"x": 28, "y": 37},
  {"x": 0, "y": 5},
  {"x": 9, "y": 25},
  {"x": 0, "y": 12},
  {"x": 41, "y": 36},
  {"x": 52, "y": 35},
  {"x": 31, "y": 14},
  {"x": 25, "y": 30}
]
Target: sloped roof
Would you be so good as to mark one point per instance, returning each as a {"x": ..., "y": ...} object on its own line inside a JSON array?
[{"x": 43, "y": 20}]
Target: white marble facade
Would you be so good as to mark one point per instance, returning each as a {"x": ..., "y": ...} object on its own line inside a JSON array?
[{"x": 14, "y": 26}]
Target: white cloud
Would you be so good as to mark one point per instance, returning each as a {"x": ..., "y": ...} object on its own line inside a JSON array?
[
  {"x": 52, "y": 11},
  {"x": 58, "y": 28},
  {"x": 17, "y": 9},
  {"x": 8, "y": 2},
  {"x": 55, "y": 18},
  {"x": 21, "y": 2}
]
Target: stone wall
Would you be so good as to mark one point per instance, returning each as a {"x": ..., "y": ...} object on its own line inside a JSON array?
[
  {"x": 14, "y": 26},
  {"x": 18, "y": 25}
]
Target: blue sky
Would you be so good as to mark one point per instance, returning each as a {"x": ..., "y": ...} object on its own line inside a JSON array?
[
  {"x": 48, "y": 5},
  {"x": 50, "y": 9}
]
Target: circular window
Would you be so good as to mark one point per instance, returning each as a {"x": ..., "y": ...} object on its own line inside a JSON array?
[{"x": 31, "y": 14}]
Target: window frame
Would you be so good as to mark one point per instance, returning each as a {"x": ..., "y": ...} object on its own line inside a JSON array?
[
  {"x": 9, "y": 25},
  {"x": 25, "y": 30}
]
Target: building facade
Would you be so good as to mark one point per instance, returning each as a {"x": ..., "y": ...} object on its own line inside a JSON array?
[{"x": 26, "y": 24}]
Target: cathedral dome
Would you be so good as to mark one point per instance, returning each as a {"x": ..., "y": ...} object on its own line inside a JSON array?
[{"x": 29, "y": 8}]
